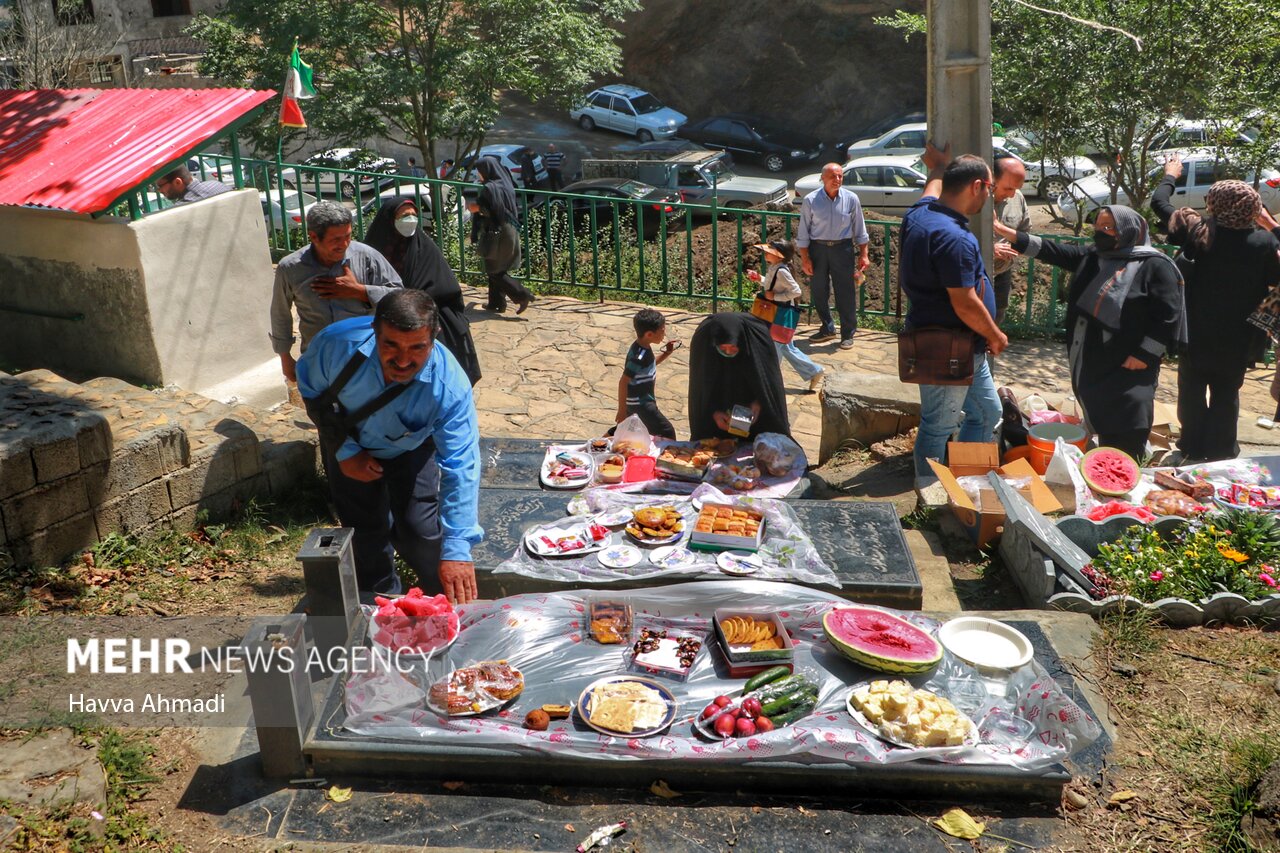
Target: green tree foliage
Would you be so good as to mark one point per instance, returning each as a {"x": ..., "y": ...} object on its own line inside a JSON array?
[
  {"x": 424, "y": 73},
  {"x": 1081, "y": 88}
]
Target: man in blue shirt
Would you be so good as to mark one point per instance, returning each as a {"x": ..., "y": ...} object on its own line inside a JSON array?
[
  {"x": 831, "y": 224},
  {"x": 943, "y": 274},
  {"x": 406, "y": 475}
]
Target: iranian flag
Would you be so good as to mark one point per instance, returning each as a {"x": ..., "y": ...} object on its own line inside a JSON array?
[{"x": 297, "y": 86}]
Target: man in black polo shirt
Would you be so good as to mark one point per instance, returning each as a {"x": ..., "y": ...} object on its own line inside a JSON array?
[{"x": 943, "y": 275}]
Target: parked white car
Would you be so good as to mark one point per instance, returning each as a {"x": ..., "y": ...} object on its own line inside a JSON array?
[
  {"x": 628, "y": 110},
  {"x": 343, "y": 159},
  {"x": 293, "y": 215},
  {"x": 509, "y": 156},
  {"x": 1200, "y": 170},
  {"x": 887, "y": 184},
  {"x": 1056, "y": 176},
  {"x": 1187, "y": 134}
]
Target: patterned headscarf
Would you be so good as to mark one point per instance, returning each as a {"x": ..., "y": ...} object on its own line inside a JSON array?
[
  {"x": 1233, "y": 204},
  {"x": 1228, "y": 204}
]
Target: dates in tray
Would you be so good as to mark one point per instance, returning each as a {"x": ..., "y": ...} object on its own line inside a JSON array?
[{"x": 655, "y": 650}]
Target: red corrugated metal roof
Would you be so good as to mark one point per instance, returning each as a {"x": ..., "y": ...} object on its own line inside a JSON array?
[{"x": 81, "y": 149}]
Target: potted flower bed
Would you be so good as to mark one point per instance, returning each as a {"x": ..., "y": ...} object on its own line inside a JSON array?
[{"x": 1220, "y": 568}]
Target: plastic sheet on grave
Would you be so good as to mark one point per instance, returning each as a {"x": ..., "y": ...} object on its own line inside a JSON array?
[{"x": 1034, "y": 725}]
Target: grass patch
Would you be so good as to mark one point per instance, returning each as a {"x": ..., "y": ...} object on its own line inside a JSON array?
[
  {"x": 923, "y": 518},
  {"x": 164, "y": 566},
  {"x": 130, "y": 768},
  {"x": 1127, "y": 636},
  {"x": 1231, "y": 795}
]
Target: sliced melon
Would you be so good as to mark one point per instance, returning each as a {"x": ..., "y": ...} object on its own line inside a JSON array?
[
  {"x": 881, "y": 641},
  {"x": 1110, "y": 472}
]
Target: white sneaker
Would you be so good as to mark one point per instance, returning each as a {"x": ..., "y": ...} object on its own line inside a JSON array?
[{"x": 816, "y": 381}]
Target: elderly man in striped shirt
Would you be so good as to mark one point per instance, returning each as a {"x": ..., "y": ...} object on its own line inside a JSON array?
[{"x": 831, "y": 224}]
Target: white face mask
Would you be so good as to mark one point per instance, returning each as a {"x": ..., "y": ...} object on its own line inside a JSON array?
[{"x": 407, "y": 225}]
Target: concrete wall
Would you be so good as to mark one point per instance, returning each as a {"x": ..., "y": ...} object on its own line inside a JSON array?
[{"x": 179, "y": 297}]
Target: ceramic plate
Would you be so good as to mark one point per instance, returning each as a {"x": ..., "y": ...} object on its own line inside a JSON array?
[
  {"x": 672, "y": 557},
  {"x": 675, "y": 537},
  {"x": 739, "y": 562},
  {"x": 614, "y": 517},
  {"x": 667, "y": 696},
  {"x": 568, "y": 526},
  {"x": 970, "y": 739},
  {"x": 619, "y": 557},
  {"x": 581, "y": 459}
]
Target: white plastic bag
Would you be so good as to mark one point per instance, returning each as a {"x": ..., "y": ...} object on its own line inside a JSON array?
[
  {"x": 776, "y": 454},
  {"x": 1064, "y": 479},
  {"x": 631, "y": 438}
]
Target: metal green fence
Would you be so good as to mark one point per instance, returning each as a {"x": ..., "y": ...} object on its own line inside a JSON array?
[{"x": 685, "y": 255}]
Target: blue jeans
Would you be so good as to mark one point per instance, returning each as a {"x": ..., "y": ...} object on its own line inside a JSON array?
[
  {"x": 973, "y": 409},
  {"x": 797, "y": 359}
]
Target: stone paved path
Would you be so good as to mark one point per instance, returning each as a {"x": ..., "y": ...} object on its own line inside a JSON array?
[{"x": 553, "y": 371}]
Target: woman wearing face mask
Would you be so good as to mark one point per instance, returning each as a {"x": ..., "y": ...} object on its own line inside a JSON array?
[
  {"x": 1229, "y": 266},
  {"x": 732, "y": 362},
  {"x": 1124, "y": 311},
  {"x": 495, "y": 233},
  {"x": 398, "y": 235}
]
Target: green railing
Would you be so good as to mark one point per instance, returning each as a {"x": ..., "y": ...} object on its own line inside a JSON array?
[{"x": 686, "y": 255}]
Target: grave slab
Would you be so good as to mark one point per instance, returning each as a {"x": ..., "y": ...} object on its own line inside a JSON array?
[{"x": 862, "y": 541}]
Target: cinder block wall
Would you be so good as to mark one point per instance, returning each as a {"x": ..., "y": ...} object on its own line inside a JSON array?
[{"x": 81, "y": 462}]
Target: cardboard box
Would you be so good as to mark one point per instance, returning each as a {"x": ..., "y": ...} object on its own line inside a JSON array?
[
  {"x": 984, "y": 523},
  {"x": 702, "y": 541}
]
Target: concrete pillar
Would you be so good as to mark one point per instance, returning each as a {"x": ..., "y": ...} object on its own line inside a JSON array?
[
  {"x": 280, "y": 692},
  {"x": 329, "y": 572},
  {"x": 959, "y": 87}
]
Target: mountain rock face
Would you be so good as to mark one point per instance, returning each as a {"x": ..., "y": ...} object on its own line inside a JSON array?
[{"x": 817, "y": 65}]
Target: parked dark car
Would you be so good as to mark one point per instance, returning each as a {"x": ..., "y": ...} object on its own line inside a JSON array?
[
  {"x": 673, "y": 148},
  {"x": 653, "y": 203},
  {"x": 754, "y": 138}
]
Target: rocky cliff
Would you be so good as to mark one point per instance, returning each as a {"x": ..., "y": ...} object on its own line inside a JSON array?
[{"x": 820, "y": 65}]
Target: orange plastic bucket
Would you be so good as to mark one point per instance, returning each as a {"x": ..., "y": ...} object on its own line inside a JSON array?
[{"x": 1041, "y": 438}]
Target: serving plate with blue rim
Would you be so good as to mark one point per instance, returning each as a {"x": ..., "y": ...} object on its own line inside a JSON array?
[{"x": 667, "y": 697}]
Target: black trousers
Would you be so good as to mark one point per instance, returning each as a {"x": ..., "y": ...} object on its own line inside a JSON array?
[
  {"x": 1133, "y": 441},
  {"x": 555, "y": 179},
  {"x": 502, "y": 286},
  {"x": 1208, "y": 428},
  {"x": 833, "y": 268},
  {"x": 396, "y": 513},
  {"x": 654, "y": 421},
  {"x": 1003, "y": 284}
]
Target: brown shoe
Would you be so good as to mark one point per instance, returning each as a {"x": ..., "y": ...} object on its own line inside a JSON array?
[{"x": 816, "y": 382}]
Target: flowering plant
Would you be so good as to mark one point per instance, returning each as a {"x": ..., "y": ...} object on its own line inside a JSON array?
[{"x": 1233, "y": 551}]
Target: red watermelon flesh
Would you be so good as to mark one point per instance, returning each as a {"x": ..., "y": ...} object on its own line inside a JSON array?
[
  {"x": 414, "y": 622},
  {"x": 1109, "y": 471},
  {"x": 881, "y": 640}
]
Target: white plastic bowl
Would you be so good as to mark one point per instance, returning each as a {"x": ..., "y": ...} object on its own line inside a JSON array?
[{"x": 989, "y": 645}]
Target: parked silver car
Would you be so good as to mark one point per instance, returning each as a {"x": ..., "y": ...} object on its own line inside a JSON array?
[
  {"x": 886, "y": 184},
  {"x": 329, "y": 183},
  {"x": 628, "y": 110}
]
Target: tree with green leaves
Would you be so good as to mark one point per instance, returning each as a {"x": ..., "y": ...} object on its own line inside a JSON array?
[
  {"x": 423, "y": 73},
  {"x": 1088, "y": 87}
]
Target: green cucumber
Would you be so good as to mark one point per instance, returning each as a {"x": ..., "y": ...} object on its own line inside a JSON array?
[
  {"x": 782, "y": 687},
  {"x": 761, "y": 679},
  {"x": 781, "y": 704},
  {"x": 804, "y": 709}
]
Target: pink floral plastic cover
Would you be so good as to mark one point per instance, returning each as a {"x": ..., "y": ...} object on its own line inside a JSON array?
[{"x": 1033, "y": 725}]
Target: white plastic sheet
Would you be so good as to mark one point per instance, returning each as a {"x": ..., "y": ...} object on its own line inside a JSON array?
[
  {"x": 787, "y": 551},
  {"x": 1034, "y": 725}
]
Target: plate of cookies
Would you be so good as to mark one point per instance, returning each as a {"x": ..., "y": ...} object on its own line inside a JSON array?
[
  {"x": 656, "y": 525},
  {"x": 627, "y": 705},
  {"x": 474, "y": 689}
]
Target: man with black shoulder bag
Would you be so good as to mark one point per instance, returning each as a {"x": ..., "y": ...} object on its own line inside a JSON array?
[
  {"x": 951, "y": 324},
  {"x": 401, "y": 444}
]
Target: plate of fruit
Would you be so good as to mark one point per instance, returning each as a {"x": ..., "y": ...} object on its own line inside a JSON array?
[{"x": 414, "y": 624}]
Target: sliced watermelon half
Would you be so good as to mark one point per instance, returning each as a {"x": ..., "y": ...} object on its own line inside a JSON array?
[{"x": 880, "y": 640}]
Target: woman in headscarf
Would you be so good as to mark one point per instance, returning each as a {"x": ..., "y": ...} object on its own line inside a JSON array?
[
  {"x": 397, "y": 233},
  {"x": 495, "y": 233},
  {"x": 1124, "y": 312},
  {"x": 733, "y": 362},
  {"x": 1229, "y": 265}
]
